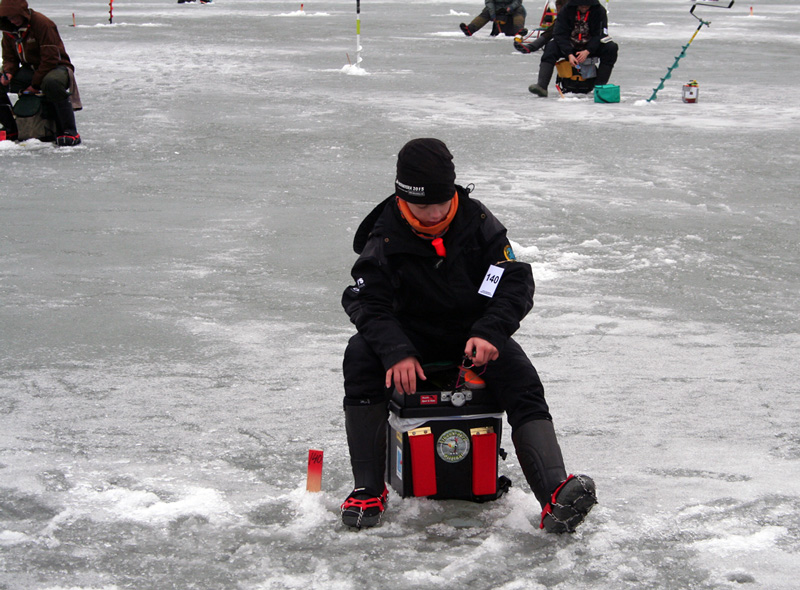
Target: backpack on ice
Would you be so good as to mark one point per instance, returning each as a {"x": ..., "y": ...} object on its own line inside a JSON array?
[
  {"x": 576, "y": 80},
  {"x": 35, "y": 118}
]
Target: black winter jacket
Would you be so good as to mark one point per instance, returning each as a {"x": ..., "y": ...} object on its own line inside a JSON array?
[
  {"x": 598, "y": 26},
  {"x": 402, "y": 285}
]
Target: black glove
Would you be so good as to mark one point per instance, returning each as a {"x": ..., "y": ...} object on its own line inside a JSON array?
[{"x": 521, "y": 47}]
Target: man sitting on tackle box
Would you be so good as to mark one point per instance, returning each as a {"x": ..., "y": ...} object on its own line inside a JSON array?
[
  {"x": 35, "y": 62},
  {"x": 436, "y": 279}
]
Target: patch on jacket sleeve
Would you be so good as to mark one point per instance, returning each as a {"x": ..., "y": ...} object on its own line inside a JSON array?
[
  {"x": 358, "y": 286},
  {"x": 508, "y": 252}
]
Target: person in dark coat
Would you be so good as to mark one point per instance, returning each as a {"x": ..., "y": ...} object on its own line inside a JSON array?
[
  {"x": 544, "y": 36},
  {"x": 35, "y": 62},
  {"x": 424, "y": 254},
  {"x": 498, "y": 11},
  {"x": 580, "y": 32}
]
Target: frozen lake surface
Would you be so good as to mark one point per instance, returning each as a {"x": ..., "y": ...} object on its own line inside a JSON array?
[{"x": 171, "y": 334}]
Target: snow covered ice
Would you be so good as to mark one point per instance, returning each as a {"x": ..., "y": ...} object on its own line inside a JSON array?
[{"x": 170, "y": 327}]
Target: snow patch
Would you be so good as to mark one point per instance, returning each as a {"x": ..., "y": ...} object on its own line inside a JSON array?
[
  {"x": 302, "y": 13},
  {"x": 766, "y": 538},
  {"x": 524, "y": 253},
  {"x": 8, "y": 538},
  {"x": 147, "y": 507},
  {"x": 122, "y": 25},
  {"x": 354, "y": 70}
]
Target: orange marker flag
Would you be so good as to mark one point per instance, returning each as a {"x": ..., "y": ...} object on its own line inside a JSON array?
[{"x": 314, "y": 480}]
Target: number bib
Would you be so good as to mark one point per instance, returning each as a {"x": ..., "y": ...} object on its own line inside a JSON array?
[{"x": 490, "y": 281}]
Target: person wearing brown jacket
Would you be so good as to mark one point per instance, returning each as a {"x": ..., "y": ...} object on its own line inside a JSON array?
[{"x": 36, "y": 62}]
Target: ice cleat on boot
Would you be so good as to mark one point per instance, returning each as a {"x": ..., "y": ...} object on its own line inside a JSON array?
[
  {"x": 569, "y": 504},
  {"x": 68, "y": 139},
  {"x": 466, "y": 30},
  {"x": 364, "y": 507}
]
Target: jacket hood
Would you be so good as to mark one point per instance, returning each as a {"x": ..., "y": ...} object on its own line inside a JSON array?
[
  {"x": 15, "y": 8},
  {"x": 583, "y": 3}
]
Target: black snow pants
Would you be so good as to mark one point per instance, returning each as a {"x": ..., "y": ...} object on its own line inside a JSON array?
[{"x": 512, "y": 378}]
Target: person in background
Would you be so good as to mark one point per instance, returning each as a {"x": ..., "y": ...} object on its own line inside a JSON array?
[
  {"x": 424, "y": 254},
  {"x": 498, "y": 11},
  {"x": 544, "y": 37},
  {"x": 580, "y": 32},
  {"x": 35, "y": 62}
]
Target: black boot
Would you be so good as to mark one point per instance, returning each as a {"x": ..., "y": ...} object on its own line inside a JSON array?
[
  {"x": 7, "y": 120},
  {"x": 65, "y": 122},
  {"x": 545, "y": 74},
  {"x": 565, "y": 500},
  {"x": 569, "y": 505},
  {"x": 540, "y": 457},
  {"x": 603, "y": 74},
  {"x": 466, "y": 29},
  {"x": 366, "y": 439}
]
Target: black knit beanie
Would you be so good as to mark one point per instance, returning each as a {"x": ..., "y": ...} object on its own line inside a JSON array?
[{"x": 425, "y": 172}]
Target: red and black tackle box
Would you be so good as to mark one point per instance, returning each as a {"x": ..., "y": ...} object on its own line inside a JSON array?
[{"x": 444, "y": 440}]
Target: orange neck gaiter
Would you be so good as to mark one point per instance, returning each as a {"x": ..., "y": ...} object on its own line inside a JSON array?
[{"x": 425, "y": 231}]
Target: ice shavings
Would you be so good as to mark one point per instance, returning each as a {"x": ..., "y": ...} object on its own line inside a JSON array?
[
  {"x": 763, "y": 539},
  {"x": 321, "y": 578},
  {"x": 148, "y": 507},
  {"x": 461, "y": 564},
  {"x": 8, "y": 538},
  {"x": 354, "y": 70},
  {"x": 310, "y": 509},
  {"x": 524, "y": 253},
  {"x": 523, "y": 514}
]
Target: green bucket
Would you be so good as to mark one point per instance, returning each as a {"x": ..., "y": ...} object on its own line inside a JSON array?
[{"x": 606, "y": 93}]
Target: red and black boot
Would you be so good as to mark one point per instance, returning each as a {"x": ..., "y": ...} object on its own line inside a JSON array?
[
  {"x": 364, "y": 507},
  {"x": 67, "y": 135},
  {"x": 569, "y": 504},
  {"x": 366, "y": 440},
  {"x": 565, "y": 501}
]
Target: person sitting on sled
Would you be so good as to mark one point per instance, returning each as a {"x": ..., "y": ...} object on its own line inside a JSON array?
[
  {"x": 423, "y": 255},
  {"x": 580, "y": 32},
  {"x": 545, "y": 28},
  {"x": 498, "y": 11},
  {"x": 35, "y": 62}
]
